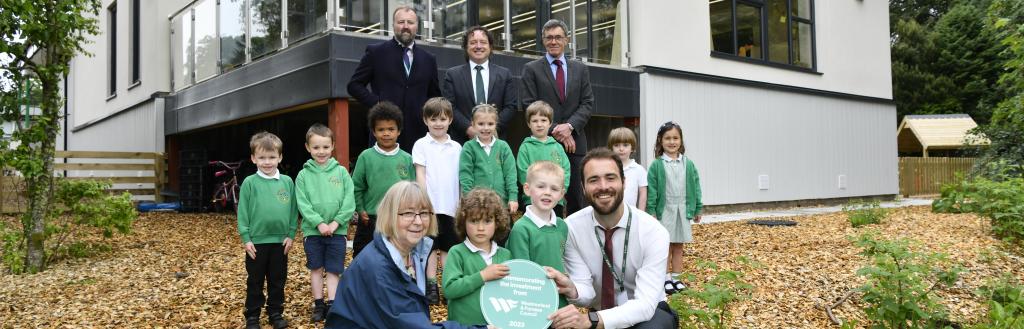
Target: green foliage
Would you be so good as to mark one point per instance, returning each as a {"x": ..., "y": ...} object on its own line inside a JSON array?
[
  {"x": 998, "y": 196},
  {"x": 1005, "y": 304},
  {"x": 900, "y": 284},
  {"x": 1006, "y": 129},
  {"x": 860, "y": 214},
  {"x": 82, "y": 210},
  {"x": 707, "y": 307}
]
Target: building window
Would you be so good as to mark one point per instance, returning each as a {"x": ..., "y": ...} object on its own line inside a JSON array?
[
  {"x": 135, "y": 41},
  {"x": 776, "y": 31},
  {"x": 112, "y": 49}
]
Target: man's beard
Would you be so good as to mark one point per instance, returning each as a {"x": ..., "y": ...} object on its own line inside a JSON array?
[
  {"x": 605, "y": 211},
  {"x": 405, "y": 38}
]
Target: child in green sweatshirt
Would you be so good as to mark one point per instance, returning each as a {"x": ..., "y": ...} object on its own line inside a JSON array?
[
  {"x": 267, "y": 219},
  {"x": 487, "y": 161},
  {"x": 540, "y": 235},
  {"x": 377, "y": 168},
  {"x": 325, "y": 197},
  {"x": 480, "y": 220},
  {"x": 541, "y": 147}
]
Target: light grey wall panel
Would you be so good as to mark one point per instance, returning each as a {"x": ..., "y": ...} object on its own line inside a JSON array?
[{"x": 803, "y": 142}]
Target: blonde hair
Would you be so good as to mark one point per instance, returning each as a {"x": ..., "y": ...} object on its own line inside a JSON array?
[
  {"x": 265, "y": 141},
  {"x": 485, "y": 109},
  {"x": 622, "y": 135},
  {"x": 403, "y": 193},
  {"x": 544, "y": 166},
  {"x": 482, "y": 203},
  {"x": 540, "y": 108},
  {"x": 321, "y": 130}
]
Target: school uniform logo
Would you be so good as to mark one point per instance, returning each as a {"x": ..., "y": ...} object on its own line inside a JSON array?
[
  {"x": 283, "y": 196},
  {"x": 335, "y": 181},
  {"x": 403, "y": 171},
  {"x": 554, "y": 155}
]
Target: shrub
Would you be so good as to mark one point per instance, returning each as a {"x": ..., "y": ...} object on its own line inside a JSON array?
[
  {"x": 706, "y": 305},
  {"x": 998, "y": 196},
  {"x": 860, "y": 214},
  {"x": 900, "y": 286},
  {"x": 1005, "y": 304}
]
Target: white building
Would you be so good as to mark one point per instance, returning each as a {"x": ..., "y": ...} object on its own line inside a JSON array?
[{"x": 779, "y": 100}]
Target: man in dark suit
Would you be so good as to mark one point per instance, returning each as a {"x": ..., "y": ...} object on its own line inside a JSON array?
[
  {"x": 398, "y": 72},
  {"x": 478, "y": 82},
  {"x": 565, "y": 85}
]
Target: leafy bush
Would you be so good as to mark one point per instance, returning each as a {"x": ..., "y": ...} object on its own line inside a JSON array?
[
  {"x": 1005, "y": 302},
  {"x": 82, "y": 208},
  {"x": 998, "y": 196},
  {"x": 860, "y": 214},
  {"x": 707, "y": 307},
  {"x": 899, "y": 292}
]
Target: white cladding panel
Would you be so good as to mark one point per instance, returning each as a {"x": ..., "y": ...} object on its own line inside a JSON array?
[
  {"x": 802, "y": 142},
  {"x": 852, "y": 45},
  {"x": 139, "y": 129}
]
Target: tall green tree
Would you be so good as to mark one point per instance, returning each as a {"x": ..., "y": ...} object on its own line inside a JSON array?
[
  {"x": 39, "y": 39},
  {"x": 1006, "y": 129}
]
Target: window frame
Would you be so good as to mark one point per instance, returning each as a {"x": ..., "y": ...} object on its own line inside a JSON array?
[
  {"x": 136, "y": 55},
  {"x": 765, "y": 60},
  {"x": 112, "y": 50}
]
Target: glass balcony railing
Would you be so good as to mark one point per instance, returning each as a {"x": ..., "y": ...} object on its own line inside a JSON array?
[{"x": 210, "y": 37}]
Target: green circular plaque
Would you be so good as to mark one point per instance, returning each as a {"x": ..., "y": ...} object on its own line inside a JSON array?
[{"x": 523, "y": 299}]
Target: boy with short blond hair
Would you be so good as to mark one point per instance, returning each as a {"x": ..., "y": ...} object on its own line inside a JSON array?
[
  {"x": 325, "y": 197},
  {"x": 622, "y": 141},
  {"x": 267, "y": 219},
  {"x": 539, "y": 146},
  {"x": 540, "y": 235},
  {"x": 436, "y": 157}
]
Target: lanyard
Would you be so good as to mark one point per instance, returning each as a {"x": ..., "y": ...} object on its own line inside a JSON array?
[{"x": 625, "y": 252}]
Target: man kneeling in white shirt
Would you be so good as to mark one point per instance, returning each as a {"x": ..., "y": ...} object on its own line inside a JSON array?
[{"x": 621, "y": 280}]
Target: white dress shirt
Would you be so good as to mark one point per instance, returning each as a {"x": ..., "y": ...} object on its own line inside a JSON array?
[
  {"x": 486, "y": 75},
  {"x": 440, "y": 161},
  {"x": 645, "y": 265},
  {"x": 487, "y": 256},
  {"x": 540, "y": 221}
]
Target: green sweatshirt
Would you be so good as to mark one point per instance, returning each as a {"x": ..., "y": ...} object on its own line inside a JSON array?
[
  {"x": 374, "y": 175},
  {"x": 496, "y": 171},
  {"x": 541, "y": 245},
  {"x": 656, "y": 181},
  {"x": 267, "y": 212},
  {"x": 462, "y": 283},
  {"x": 324, "y": 195},
  {"x": 533, "y": 150}
]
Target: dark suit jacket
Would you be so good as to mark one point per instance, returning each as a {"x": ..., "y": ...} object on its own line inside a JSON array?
[
  {"x": 459, "y": 90},
  {"x": 382, "y": 70},
  {"x": 539, "y": 84}
]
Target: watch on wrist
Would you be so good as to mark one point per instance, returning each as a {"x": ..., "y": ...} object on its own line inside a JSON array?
[{"x": 594, "y": 319}]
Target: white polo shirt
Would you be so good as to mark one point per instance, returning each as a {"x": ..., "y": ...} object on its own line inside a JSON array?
[
  {"x": 636, "y": 177},
  {"x": 441, "y": 163},
  {"x": 645, "y": 265}
]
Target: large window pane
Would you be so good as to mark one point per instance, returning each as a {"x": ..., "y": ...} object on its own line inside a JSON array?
[
  {"x": 778, "y": 39},
  {"x": 207, "y": 46},
  {"x": 560, "y": 10},
  {"x": 748, "y": 30},
  {"x": 801, "y": 9},
  {"x": 721, "y": 26},
  {"x": 232, "y": 33},
  {"x": 306, "y": 18},
  {"x": 265, "y": 26},
  {"x": 607, "y": 31},
  {"x": 524, "y": 27},
  {"x": 492, "y": 17},
  {"x": 364, "y": 16},
  {"x": 181, "y": 49},
  {"x": 449, "y": 18},
  {"x": 802, "y": 54}
]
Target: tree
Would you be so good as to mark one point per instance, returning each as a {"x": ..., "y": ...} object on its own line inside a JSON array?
[
  {"x": 40, "y": 37},
  {"x": 1006, "y": 129}
]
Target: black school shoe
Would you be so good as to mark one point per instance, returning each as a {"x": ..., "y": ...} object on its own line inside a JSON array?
[
  {"x": 432, "y": 294},
  {"x": 278, "y": 321},
  {"x": 252, "y": 322},
  {"x": 319, "y": 310}
]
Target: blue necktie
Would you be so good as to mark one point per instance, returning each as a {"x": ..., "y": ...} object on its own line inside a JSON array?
[{"x": 406, "y": 60}]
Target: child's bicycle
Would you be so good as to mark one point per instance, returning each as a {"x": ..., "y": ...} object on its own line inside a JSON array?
[{"x": 225, "y": 196}]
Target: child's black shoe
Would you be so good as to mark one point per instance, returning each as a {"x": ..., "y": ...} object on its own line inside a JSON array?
[
  {"x": 327, "y": 308},
  {"x": 252, "y": 322},
  {"x": 278, "y": 321},
  {"x": 318, "y": 310},
  {"x": 432, "y": 294}
]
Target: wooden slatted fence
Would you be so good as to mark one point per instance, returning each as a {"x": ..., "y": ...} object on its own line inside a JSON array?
[{"x": 923, "y": 176}]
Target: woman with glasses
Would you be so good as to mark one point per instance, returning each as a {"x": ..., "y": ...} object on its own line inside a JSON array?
[{"x": 384, "y": 287}]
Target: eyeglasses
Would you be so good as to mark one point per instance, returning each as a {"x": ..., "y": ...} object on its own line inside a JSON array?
[
  {"x": 408, "y": 216},
  {"x": 554, "y": 38}
]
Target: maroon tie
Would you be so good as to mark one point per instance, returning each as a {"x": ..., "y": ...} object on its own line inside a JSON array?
[
  {"x": 607, "y": 283},
  {"x": 560, "y": 80}
]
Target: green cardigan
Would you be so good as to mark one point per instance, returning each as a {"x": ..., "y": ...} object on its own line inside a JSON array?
[
  {"x": 462, "y": 282},
  {"x": 656, "y": 189},
  {"x": 496, "y": 171}
]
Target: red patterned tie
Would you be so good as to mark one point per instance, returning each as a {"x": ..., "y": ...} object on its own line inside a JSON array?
[
  {"x": 607, "y": 283},
  {"x": 560, "y": 80}
]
